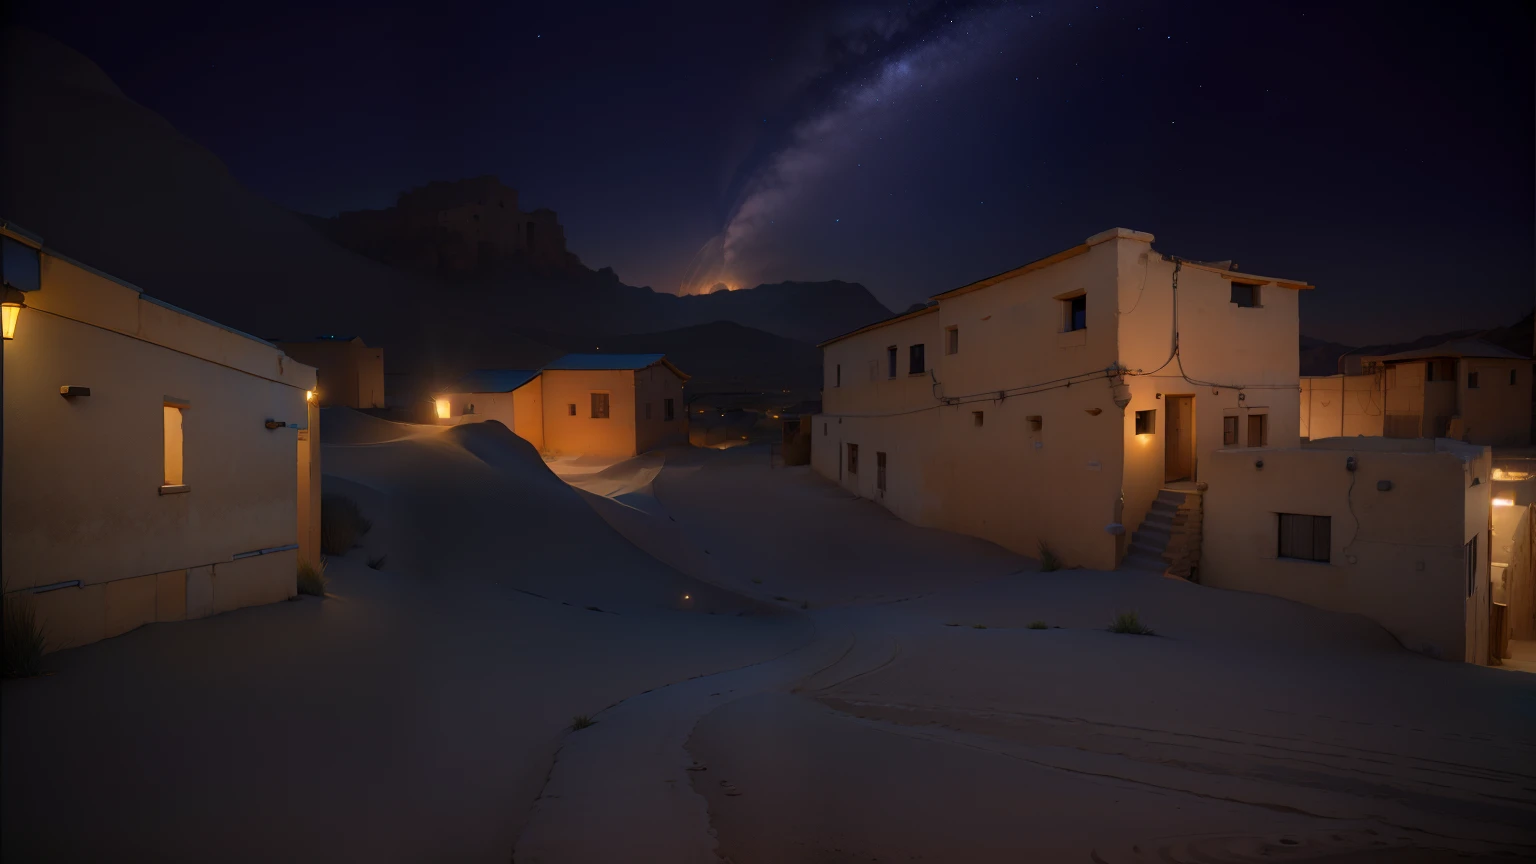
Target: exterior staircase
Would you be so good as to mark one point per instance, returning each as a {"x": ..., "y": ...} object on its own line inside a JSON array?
[{"x": 1149, "y": 544}]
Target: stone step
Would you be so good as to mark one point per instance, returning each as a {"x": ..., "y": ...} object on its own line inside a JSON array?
[
  {"x": 1143, "y": 549},
  {"x": 1142, "y": 562}
]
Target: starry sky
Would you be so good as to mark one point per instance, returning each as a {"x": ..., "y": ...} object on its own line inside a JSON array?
[{"x": 1381, "y": 151}]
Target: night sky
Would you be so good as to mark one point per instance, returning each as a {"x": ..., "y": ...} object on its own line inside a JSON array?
[{"x": 1383, "y": 152}]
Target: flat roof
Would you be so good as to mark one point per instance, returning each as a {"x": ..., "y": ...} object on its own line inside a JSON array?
[
  {"x": 493, "y": 380},
  {"x": 1475, "y": 348},
  {"x": 611, "y": 363},
  {"x": 934, "y": 307}
]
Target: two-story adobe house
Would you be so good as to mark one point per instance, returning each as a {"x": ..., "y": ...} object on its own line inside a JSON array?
[{"x": 1052, "y": 403}]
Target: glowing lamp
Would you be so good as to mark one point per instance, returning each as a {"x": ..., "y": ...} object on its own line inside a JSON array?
[
  {"x": 1503, "y": 502},
  {"x": 443, "y": 411},
  {"x": 9, "y": 311},
  {"x": 309, "y": 395}
]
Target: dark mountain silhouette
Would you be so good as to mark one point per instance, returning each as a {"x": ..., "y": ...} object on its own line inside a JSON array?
[{"x": 112, "y": 184}]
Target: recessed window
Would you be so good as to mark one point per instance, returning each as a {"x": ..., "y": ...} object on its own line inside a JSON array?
[
  {"x": 570, "y": 409},
  {"x": 1245, "y": 294},
  {"x": 1471, "y": 380},
  {"x": 1036, "y": 422},
  {"x": 823, "y": 430},
  {"x": 1306, "y": 538},
  {"x": 916, "y": 363},
  {"x": 1146, "y": 422},
  {"x": 668, "y": 410},
  {"x": 1472, "y": 566},
  {"x": 1076, "y": 309},
  {"x": 880, "y": 471},
  {"x": 1511, "y": 377},
  {"x": 976, "y": 418},
  {"x": 853, "y": 458},
  {"x": 1258, "y": 430},
  {"x": 890, "y": 361},
  {"x": 1229, "y": 431},
  {"x": 837, "y": 380},
  {"x": 469, "y": 407},
  {"x": 952, "y": 340},
  {"x": 599, "y": 406},
  {"x": 173, "y": 446}
]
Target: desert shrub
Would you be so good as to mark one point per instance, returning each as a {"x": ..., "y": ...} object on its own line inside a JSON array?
[
  {"x": 1127, "y": 622},
  {"x": 1039, "y": 625},
  {"x": 580, "y": 722},
  {"x": 312, "y": 579},
  {"x": 23, "y": 641},
  {"x": 1048, "y": 559},
  {"x": 341, "y": 524},
  {"x": 376, "y": 563}
]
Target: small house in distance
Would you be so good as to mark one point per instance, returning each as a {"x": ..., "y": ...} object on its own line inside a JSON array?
[
  {"x": 613, "y": 404},
  {"x": 157, "y": 466},
  {"x": 512, "y": 396},
  {"x": 351, "y": 375}
]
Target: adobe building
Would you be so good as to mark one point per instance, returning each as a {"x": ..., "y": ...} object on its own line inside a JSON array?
[
  {"x": 350, "y": 374},
  {"x": 157, "y": 466},
  {"x": 1397, "y": 530},
  {"x": 515, "y": 397},
  {"x": 615, "y": 405},
  {"x": 1056, "y": 402}
]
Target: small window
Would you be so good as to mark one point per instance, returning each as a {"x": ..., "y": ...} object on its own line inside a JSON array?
[
  {"x": 570, "y": 409},
  {"x": 1471, "y": 380},
  {"x": 647, "y": 410},
  {"x": 599, "y": 406},
  {"x": 1472, "y": 566},
  {"x": 1258, "y": 430},
  {"x": 880, "y": 471},
  {"x": 173, "y": 446},
  {"x": 1440, "y": 370},
  {"x": 1229, "y": 431},
  {"x": 444, "y": 408},
  {"x": 1511, "y": 377},
  {"x": 916, "y": 364},
  {"x": 1306, "y": 538},
  {"x": 1036, "y": 422},
  {"x": 837, "y": 381},
  {"x": 1146, "y": 422},
  {"x": 823, "y": 430},
  {"x": 1077, "y": 312},
  {"x": 890, "y": 361},
  {"x": 1245, "y": 294},
  {"x": 977, "y": 418},
  {"x": 668, "y": 410},
  {"x": 469, "y": 407},
  {"x": 952, "y": 340},
  {"x": 853, "y": 458}
]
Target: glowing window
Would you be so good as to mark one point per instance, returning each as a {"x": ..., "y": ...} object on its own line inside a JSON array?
[
  {"x": 173, "y": 446},
  {"x": 444, "y": 410}
]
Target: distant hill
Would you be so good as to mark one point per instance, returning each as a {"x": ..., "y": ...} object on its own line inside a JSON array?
[
  {"x": 1330, "y": 358},
  {"x": 107, "y": 181}
]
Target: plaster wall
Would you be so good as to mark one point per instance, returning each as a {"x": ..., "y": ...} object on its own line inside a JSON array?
[
  {"x": 565, "y": 433},
  {"x": 653, "y": 386}
]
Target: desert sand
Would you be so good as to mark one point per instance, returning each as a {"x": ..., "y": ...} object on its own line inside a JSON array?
[{"x": 777, "y": 671}]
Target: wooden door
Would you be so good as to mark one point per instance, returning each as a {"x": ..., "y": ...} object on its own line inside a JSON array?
[{"x": 1179, "y": 438}]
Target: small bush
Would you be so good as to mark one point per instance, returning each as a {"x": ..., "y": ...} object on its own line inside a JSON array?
[
  {"x": 376, "y": 563},
  {"x": 1048, "y": 559},
  {"x": 978, "y": 626},
  {"x": 312, "y": 579},
  {"x": 1039, "y": 625},
  {"x": 580, "y": 722},
  {"x": 341, "y": 524},
  {"x": 23, "y": 640},
  {"x": 1127, "y": 622}
]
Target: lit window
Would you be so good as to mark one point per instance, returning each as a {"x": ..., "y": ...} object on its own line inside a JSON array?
[
  {"x": 444, "y": 410},
  {"x": 1245, "y": 294},
  {"x": 173, "y": 446},
  {"x": 599, "y": 406},
  {"x": 1146, "y": 422},
  {"x": 1306, "y": 538}
]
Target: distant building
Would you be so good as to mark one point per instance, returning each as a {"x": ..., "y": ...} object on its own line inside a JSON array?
[
  {"x": 1054, "y": 403},
  {"x": 514, "y": 397},
  {"x": 1396, "y": 530},
  {"x": 157, "y": 466},
  {"x": 581, "y": 404},
  {"x": 351, "y": 375}
]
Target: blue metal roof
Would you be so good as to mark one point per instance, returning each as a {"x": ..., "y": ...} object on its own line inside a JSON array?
[
  {"x": 493, "y": 380},
  {"x": 593, "y": 362}
]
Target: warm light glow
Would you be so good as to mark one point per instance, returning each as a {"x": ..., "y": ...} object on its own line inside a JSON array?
[
  {"x": 687, "y": 596},
  {"x": 309, "y": 395},
  {"x": 8, "y": 314},
  {"x": 173, "y": 439},
  {"x": 443, "y": 411},
  {"x": 1503, "y": 502}
]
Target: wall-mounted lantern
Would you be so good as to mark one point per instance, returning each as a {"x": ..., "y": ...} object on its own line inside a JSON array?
[{"x": 10, "y": 310}]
